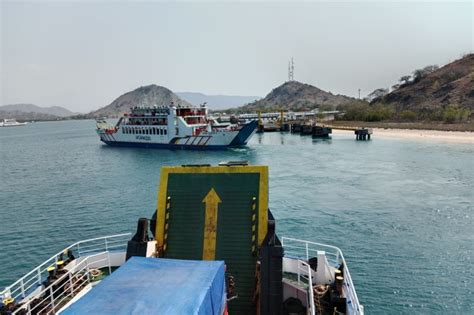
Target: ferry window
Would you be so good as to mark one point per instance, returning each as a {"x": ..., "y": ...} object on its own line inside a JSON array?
[{"x": 165, "y": 131}]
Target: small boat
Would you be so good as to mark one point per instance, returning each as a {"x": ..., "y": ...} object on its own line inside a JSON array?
[
  {"x": 173, "y": 127},
  {"x": 210, "y": 248},
  {"x": 11, "y": 123}
]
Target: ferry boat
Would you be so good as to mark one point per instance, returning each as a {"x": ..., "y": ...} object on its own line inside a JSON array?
[
  {"x": 173, "y": 127},
  {"x": 210, "y": 248},
  {"x": 11, "y": 123}
]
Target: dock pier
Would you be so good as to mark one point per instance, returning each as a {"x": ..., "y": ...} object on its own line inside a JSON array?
[
  {"x": 284, "y": 122},
  {"x": 363, "y": 133},
  {"x": 316, "y": 131}
]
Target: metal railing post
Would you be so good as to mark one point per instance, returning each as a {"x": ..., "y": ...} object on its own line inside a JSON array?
[
  {"x": 298, "y": 273},
  {"x": 39, "y": 275},
  {"x": 106, "y": 245},
  {"x": 307, "y": 254},
  {"x": 70, "y": 283},
  {"x": 51, "y": 296},
  {"x": 108, "y": 261},
  {"x": 311, "y": 294},
  {"x": 22, "y": 287}
]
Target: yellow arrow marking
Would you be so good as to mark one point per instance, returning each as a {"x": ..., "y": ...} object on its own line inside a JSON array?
[{"x": 212, "y": 201}]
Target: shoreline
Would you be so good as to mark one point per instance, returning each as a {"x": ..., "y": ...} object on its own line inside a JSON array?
[
  {"x": 465, "y": 137},
  {"x": 467, "y": 126}
]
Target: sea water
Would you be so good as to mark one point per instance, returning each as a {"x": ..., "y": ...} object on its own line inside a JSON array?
[{"x": 401, "y": 210}]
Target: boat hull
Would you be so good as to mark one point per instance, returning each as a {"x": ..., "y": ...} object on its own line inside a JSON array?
[
  {"x": 206, "y": 141},
  {"x": 168, "y": 146}
]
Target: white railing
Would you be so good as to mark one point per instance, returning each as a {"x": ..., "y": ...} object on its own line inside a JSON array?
[
  {"x": 304, "y": 276},
  {"x": 302, "y": 249},
  {"x": 34, "y": 279},
  {"x": 53, "y": 297}
]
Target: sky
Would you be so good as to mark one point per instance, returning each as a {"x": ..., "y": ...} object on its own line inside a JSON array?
[{"x": 82, "y": 55}]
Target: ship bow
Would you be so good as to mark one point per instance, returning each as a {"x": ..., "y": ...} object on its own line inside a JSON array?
[{"x": 245, "y": 134}]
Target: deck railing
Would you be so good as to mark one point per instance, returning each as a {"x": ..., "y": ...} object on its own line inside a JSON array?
[
  {"x": 55, "y": 296},
  {"x": 34, "y": 279},
  {"x": 304, "y": 276},
  {"x": 302, "y": 249}
]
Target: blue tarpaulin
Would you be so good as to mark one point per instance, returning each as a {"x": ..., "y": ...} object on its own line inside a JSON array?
[{"x": 157, "y": 286}]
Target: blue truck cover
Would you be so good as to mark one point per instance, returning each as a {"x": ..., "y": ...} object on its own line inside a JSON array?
[{"x": 157, "y": 286}]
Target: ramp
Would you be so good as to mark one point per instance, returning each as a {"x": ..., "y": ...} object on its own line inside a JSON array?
[{"x": 215, "y": 213}]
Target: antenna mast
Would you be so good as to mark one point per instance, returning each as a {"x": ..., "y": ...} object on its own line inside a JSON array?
[{"x": 291, "y": 70}]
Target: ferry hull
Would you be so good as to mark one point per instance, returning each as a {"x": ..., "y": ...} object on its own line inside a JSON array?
[
  {"x": 205, "y": 141},
  {"x": 166, "y": 145}
]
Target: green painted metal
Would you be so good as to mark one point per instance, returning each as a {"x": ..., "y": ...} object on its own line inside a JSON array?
[{"x": 234, "y": 226}]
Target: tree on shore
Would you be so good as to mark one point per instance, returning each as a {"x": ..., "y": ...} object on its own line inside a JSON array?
[{"x": 376, "y": 94}]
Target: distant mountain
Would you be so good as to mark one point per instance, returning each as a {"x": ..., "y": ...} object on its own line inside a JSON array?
[
  {"x": 22, "y": 116},
  {"x": 431, "y": 92},
  {"x": 30, "y": 108},
  {"x": 216, "y": 102},
  {"x": 296, "y": 96},
  {"x": 146, "y": 95}
]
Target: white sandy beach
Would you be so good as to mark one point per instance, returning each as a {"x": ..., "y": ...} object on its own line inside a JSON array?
[{"x": 425, "y": 135}]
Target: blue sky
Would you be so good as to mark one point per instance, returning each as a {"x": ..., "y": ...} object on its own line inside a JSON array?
[{"x": 82, "y": 55}]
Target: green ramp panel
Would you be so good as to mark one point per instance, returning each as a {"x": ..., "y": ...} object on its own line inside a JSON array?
[{"x": 239, "y": 197}]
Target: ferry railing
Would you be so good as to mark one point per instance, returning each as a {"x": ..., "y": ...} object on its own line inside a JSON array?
[
  {"x": 304, "y": 276},
  {"x": 302, "y": 249},
  {"x": 34, "y": 279},
  {"x": 56, "y": 295}
]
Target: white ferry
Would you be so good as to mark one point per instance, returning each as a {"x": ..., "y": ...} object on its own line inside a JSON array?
[
  {"x": 210, "y": 248},
  {"x": 173, "y": 127},
  {"x": 11, "y": 123}
]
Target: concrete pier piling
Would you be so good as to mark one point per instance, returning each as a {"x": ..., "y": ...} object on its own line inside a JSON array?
[
  {"x": 285, "y": 127},
  {"x": 295, "y": 128},
  {"x": 321, "y": 132},
  {"x": 306, "y": 130},
  {"x": 363, "y": 133}
]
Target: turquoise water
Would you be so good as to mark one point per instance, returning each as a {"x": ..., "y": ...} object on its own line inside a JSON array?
[{"x": 401, "y": 211}]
